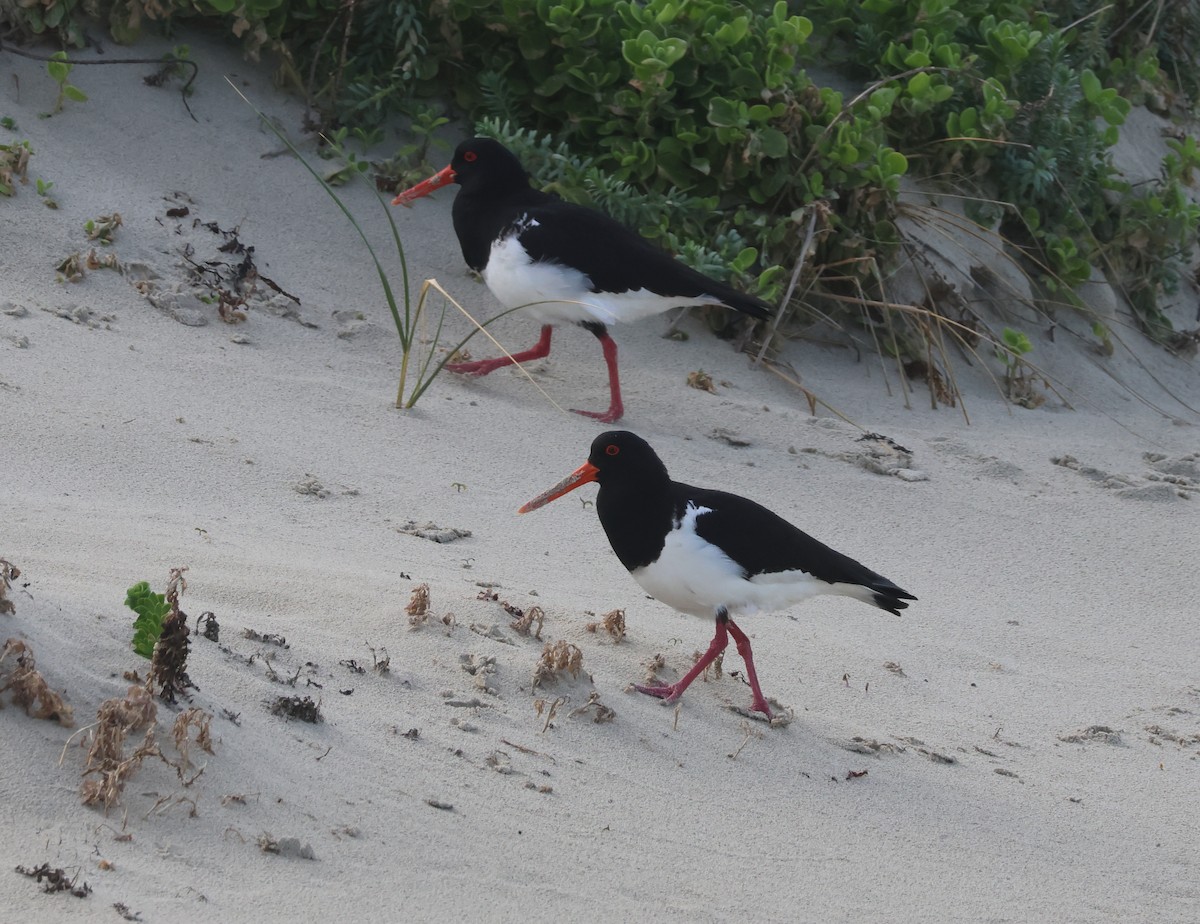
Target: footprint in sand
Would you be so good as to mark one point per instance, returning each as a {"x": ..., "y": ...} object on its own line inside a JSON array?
[
  {"x": 1165, "y": 478},
  {"x": 989, "y": 466}
]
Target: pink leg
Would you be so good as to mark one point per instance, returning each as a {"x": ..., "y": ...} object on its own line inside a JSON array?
[
  {"x": 615, "y": 408},
  {"x": 743, "y": 647},
  {"x": 484, "y": 366},
  {"x": 673, "y": 691}
]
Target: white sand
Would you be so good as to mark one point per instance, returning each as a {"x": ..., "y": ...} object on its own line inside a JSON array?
[{"x": 131, "y": 443}]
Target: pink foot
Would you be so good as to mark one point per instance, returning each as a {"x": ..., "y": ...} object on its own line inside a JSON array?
[
  {"x": 484, "y": 366},
  {"x": 612, "y": 415},
  {"x": 662, "y": 691},
  {"x": 477, "y": 368}
]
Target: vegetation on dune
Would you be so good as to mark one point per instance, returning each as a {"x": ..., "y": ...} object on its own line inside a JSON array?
[{"x": 772, "y": 144}]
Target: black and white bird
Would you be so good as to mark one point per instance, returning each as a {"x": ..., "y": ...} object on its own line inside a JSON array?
[
  {"x": 567, "y": 263},
  {"x": 710, "y": 553}
]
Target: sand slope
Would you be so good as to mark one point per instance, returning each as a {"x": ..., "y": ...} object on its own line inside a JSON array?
[{"x": 267, "y": 457}]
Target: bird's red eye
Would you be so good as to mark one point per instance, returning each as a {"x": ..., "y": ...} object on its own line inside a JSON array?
[
  {"x": 470, "y": 156},
  {"x": 611, "y": 449}
]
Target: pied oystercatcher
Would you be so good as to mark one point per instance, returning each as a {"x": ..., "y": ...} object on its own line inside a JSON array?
[
  {"x": 566, "y": 262},
  {"x": 710, "y": 553}
]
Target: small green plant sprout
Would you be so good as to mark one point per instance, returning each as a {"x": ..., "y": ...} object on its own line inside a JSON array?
[
  {"x": 335, "y": 146},
  {"x": 411, "y": 160},
  {"x": 161, "y": 634},
  {"x": 14, "y": 162},
  {"x": 103, "y": 228},
  {"x": 8, "y": 122},
  {"x": 43, "y": 190},
  {"x": 59, "y": 68},
  {"x": 151, "y": 609},
  {"x": 1018, "y": 373}
]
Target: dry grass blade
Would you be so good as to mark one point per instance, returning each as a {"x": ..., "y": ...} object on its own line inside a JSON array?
[
  {"x": 801, "y": 259},
  {"x": 481, "y": 327},
  {"x": 550, "y": 708},
  {"x": 950, "y": 225},
  {"x": 29, "y": 688},
  {"x": 750, "y": 732},
  {"x": 813, "y": 399}
]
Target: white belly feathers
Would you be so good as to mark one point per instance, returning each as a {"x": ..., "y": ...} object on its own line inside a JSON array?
[
  {"x": 558, "y": 294},
  {"x": 694, "y": 576}
]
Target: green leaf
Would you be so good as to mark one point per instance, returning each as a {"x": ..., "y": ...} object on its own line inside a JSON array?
[
  {"x": 774, "y": 143},
  {"x": 151, "y": 609},
  {"x": 73, "y": 92},
  {"x": 918, "y": 84},
  {"x": 58, "y": 67},
  {"x": 745, "y": 259},
  {"x": 723, "y": 113},
  {"x": 1016, "y": 341},
  {"x": 894, "y": 163},
  {"x": 1089, "y": 83}
]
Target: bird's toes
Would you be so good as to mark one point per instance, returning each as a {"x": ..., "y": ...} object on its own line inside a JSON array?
[
  {"x": 608, "y": 417},
  {"x": 661, "y": 691},
  {"x": 472, "y": 369}
]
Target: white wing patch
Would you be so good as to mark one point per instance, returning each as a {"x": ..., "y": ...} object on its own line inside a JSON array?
[
  {"x": 694, "y": 576},
  {"x": 558, "y": 294}
]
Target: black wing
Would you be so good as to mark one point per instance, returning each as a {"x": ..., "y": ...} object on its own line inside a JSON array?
[
  {"x": 762, "y": 542},
  {"x": 617, "y": 259}
]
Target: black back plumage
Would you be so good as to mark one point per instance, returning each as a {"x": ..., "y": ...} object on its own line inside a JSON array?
[
  {"x": 496, "y": 199},
  {"x": 638, "y": 504}
]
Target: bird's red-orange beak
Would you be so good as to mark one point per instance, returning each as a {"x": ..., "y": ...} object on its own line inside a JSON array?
[
  {"x": 425, "y": 187},
  {"x": 581, "y": 476}
]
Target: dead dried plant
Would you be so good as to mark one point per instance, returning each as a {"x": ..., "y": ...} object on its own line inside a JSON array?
[
  {"x": 56, "y": 880},
  {"x": 612, "y": 622},
  {"x": 418, "y": 606},
  {"x": 267, "y": 638},
  {"x": 207, "y": 625},
  {"x": 653, "y": 666},
  {"x": 701, "y": 381},
  {"x": 194, "y": 718},
  {"x": 106, "y": 759},
  {"x": 550, "y": 707},
  {"x": 750, "y": 732},
  {"x": 557, "y": 657},
  {"x": 8, "y": 573},
  {"x": 382, "y": 661},
  {"x": 600, "y": 712},
  {"x": 297, "y": 707},
  {"x": 29, "y": 688},
  {"x": 168, "y": 666},
  {"x": 717, "y": 665},
  {"x": 523, "y": 623}
]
